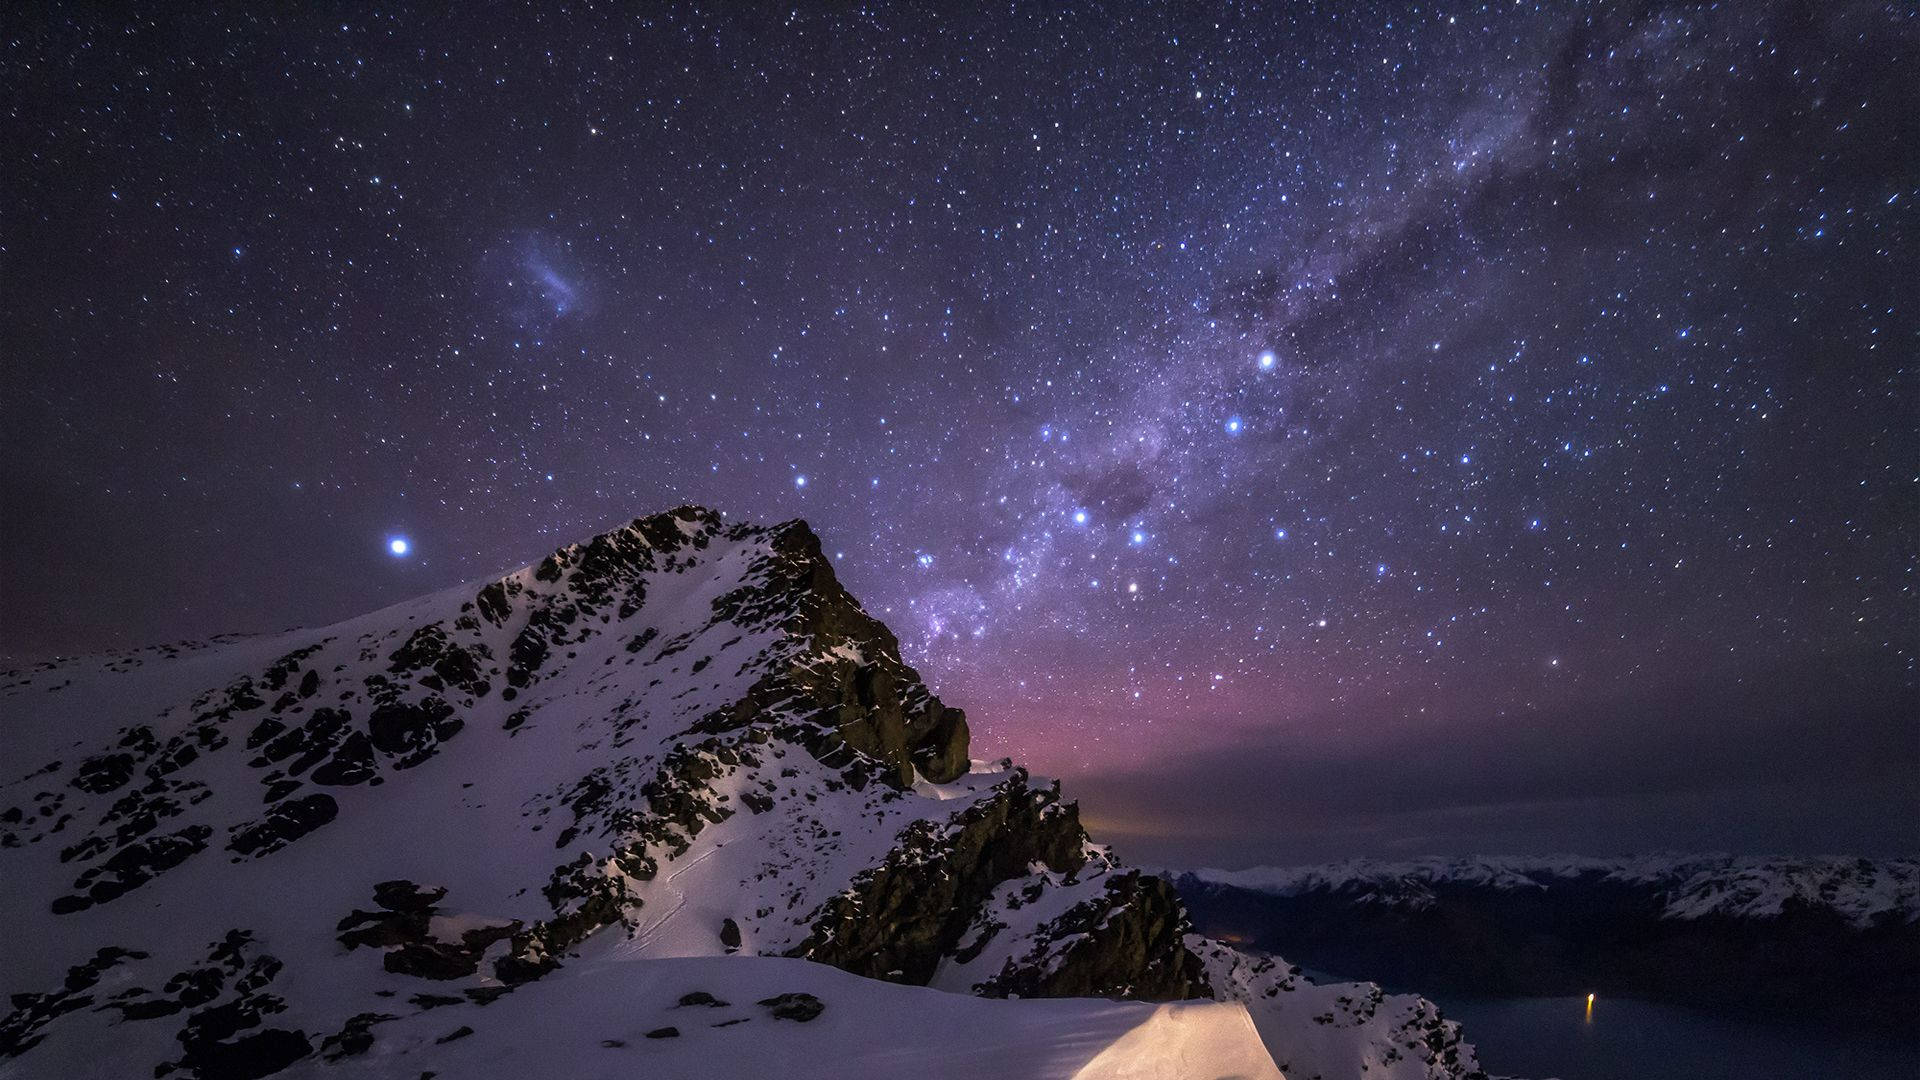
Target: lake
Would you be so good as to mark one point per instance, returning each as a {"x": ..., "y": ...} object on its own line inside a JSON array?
[{"x": 1641, "y": 1040}]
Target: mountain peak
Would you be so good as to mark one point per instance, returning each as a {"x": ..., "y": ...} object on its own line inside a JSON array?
[
  {"x": 682, "y": 737},
  {"x": 833, "y": 664}
]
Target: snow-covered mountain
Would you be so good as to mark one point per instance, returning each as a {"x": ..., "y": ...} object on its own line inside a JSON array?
[
  {"x": 1833, "y": 937},
  {"x": 519, "y": 827},
  {"x": 1863, "y": 892}
]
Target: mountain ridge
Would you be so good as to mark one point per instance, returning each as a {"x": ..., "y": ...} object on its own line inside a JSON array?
[
  {"x": 1831, "y": 940},
  {"x": 682, "y": 737},
  {"x": 1862, "y": 891}
]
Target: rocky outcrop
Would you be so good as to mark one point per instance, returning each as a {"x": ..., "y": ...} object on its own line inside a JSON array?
[
  {"x": 681, "y": 736},
  {"x": 20, "y": 1029},
  {"x": 898, "y": 920},
  {"x": 833, "y": 680},
  {"x": 1129, "y": 942},
  {"x": 1338, "y": 1029},
  {"x": 221, "y": 1004},
  {"x": 405, "y": 928},
  {"x": 856, "y": 689}
]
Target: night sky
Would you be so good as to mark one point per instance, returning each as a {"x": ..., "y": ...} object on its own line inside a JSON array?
[{"x": 1311, "y": 430}]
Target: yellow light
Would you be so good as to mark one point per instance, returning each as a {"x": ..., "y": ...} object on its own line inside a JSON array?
[{"x": 1589, "y": 1008}]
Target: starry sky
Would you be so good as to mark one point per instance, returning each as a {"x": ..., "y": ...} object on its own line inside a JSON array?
[{"x": 1310, "y": 429}]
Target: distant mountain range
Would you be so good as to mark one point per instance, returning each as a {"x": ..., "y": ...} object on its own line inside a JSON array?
[
  {"x": 1833, "y": 937},
  {"x": 594, "y": 817}
]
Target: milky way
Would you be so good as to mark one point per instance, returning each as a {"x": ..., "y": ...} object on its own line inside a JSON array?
[{"x": 1524, "y": 387}]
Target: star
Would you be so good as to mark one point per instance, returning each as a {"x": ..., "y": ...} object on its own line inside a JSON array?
[{"x": 1524, "y": 233}]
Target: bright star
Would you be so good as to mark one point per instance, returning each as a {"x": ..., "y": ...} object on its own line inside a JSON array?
[
  {"x": 1233, "y": 425},
  {"x": 799, "y": 481},
  {"x": 399, "y": 546},
  {"x": 1079, "y": 517},
  {"x": 1267, "y": 360}
]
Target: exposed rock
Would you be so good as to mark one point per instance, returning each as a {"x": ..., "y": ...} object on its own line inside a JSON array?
[
  {"x": 405, "y": 896},
  {"x": 285, "y": 822},
  {"x": 104, "y": 773},
  {"x": 796, "y": 1007},
  {"x": 132, "y": 866},
  {"x": 412, "y": 733},
  {"x": 898, "y": 920},
  {"x": 19, "y": 1029},
  {"x": 405, "y": 930},
  {"x": 1127, "y": 942},
  {"x": 665, "y": 678},
  {"x": 354, "y": 1039}
]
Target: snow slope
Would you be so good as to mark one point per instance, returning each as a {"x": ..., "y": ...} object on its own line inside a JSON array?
[
  {"x": 611, "y": 1006},
  {"x": 681, "y": 739}
]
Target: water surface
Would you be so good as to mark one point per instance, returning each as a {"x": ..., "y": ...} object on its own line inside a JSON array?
[{"x": 1642, "y": 1040}]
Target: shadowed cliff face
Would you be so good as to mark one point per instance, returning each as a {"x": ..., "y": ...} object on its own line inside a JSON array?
[{"x": 879, "y": 705}]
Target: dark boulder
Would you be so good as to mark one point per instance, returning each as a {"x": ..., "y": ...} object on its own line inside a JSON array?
[
  {"x": 799, "y": 1008},
  {"x": 285, "y": 822},
  {"x": 412, "y": 733}
]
